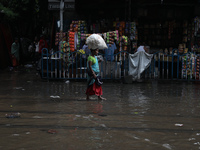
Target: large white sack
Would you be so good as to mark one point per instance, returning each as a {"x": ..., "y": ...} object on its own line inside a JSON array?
[{"x": 95, "y": 41}]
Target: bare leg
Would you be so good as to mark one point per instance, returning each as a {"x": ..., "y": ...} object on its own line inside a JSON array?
[
  {"x": 101, "y": 98},
  {"x": 87, "y": 98}
]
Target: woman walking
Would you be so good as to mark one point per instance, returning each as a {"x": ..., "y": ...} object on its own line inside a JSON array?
[{"x": 94, "y": 85}]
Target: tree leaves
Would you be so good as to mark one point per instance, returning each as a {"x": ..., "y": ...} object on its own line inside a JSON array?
[{"x": 13, "y": 9}]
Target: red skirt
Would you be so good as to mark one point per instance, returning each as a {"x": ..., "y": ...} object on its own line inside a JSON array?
[
  {"x": 14, "y": 61},
  {"x": 94, "y": 89}
]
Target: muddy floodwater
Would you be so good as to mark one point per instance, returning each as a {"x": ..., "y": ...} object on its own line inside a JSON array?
[{"x": 54, "y": 115}]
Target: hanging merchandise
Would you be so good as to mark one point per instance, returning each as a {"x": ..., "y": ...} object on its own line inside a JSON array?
[
  {"x": 111, "y": 37},
  {"x": 107, "y": 37},
  {"x": 170, "y": 30},
  {"x": 79, "y": 27},
  {"x": 126, "y": 30},
  {"x": 78, "y": 33},
  {"x": 127, "y": 25},
  {"x": 116, "y": 35},
  {"x": 82, "y": 30},
  {"x": 133, "y": 31},
  {"x": 120, "y": 26},
  {"x": 195, "y": 34},
  {"x": 196, "y": 25},
  {"x": 123, "y": 43},
  {"x": 71, "y": 41},
  {"x": 76, "y": 41},
  {"x": 59, "y": 37}
]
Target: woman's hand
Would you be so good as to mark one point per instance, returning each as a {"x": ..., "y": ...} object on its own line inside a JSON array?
[{"x": 94, "y": 75}]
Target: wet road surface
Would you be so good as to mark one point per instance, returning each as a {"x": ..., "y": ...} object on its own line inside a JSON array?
[{"x": 141, "y": 116}]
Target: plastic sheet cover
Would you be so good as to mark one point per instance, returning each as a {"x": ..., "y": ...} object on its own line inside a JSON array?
[{"x": 138, "y": 62}]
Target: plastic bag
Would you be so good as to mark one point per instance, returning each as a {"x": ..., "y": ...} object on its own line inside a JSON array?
[
  {"x": 95, "y": 41},
  {"x": 100, "y": 58}
]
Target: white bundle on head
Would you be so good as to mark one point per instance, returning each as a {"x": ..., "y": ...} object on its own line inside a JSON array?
[{"x": 95, "y": 41}]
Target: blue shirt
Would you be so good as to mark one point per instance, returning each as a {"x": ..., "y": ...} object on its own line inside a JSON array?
[
  {"x": 86, "y": 49},
  {"x": 109, "y": 52}
]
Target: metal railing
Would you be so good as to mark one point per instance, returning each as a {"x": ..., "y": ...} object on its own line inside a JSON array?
[
  {"x": 73, "y": 65},
  {"x": 174, "y": 66}
]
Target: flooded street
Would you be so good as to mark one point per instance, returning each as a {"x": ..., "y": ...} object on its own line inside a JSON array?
[{"x": 141, "y": 116}]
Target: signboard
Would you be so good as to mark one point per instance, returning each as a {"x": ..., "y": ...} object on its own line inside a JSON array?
[
  {"x": 69, "y": 1},
  {"x": 69, "y": 6},
  {"x": 55, "y": 4},
  {"x": 63, "y": 1}
]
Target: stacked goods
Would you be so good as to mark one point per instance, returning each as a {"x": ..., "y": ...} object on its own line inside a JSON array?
[
  {"x": 188, "y": 68},
  {"x": 181, "y": 48},
  {"x": 185, "y": 50},
  {"x": 197, "y": 67},
  {"x": 193, "y": 57},
  {"x": 59, "y": 37},
  {"x": 196, "y": 33}
]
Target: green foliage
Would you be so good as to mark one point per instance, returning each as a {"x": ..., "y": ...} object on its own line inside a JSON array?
[
  {"x": 15, "y": 9},
  {"x": 7, "y": 11},
  {"x": 25, "y": 17}
]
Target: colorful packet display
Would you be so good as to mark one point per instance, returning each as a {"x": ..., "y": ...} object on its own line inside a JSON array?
[
  {"x": 71, "y": 41},
  {"x": 80, "y": 28}
]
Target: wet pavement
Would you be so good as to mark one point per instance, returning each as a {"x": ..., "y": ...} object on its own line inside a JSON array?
[{"x": 54, "y": 115}]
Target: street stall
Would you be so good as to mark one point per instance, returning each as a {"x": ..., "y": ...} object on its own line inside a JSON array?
[
  {"x": 71, "y": 58},
  {"x": 169, "y": 33}
]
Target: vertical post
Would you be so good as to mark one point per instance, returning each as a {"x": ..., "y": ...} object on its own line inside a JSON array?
[
  {"x": 61, "y": 14},
  {"x": 178, "y": 66},
  {"x": 129, "y": 10}
]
